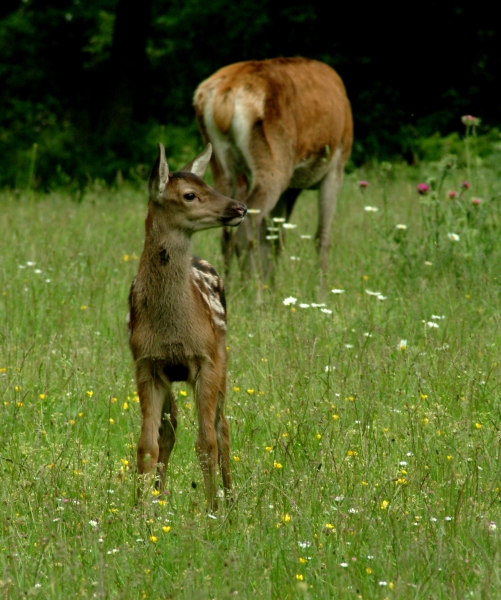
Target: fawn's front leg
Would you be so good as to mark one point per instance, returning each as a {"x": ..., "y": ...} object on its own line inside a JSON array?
[
  {"x": 157, "y": 432},
  {"x": 223, "y": 438},
  {"x": 208, "y": 386}
]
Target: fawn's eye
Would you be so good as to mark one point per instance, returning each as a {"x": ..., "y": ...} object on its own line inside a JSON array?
[{"x": 189, "y": 196}]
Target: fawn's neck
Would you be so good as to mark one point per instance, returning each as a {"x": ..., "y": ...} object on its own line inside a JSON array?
[{"x": 166, "y": 262}]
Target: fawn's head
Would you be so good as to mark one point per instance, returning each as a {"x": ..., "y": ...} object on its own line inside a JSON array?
[{"x": 184, "y": 202}]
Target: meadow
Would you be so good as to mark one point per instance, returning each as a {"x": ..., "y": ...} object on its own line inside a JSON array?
[{"x": 365, "y": 421}]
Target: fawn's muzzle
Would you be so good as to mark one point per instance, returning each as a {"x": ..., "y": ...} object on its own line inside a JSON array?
[{"x": 235, "y": 214}]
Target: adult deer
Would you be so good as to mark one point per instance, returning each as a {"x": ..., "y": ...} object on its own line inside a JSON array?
[
  {"x": 177, "y": 320},
  {"x": 277, "y": 127}
]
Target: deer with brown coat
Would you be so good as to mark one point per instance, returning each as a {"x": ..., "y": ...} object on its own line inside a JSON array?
[
  {"x": 177, "y": 321},
  {"x": 277, "y": 127}
]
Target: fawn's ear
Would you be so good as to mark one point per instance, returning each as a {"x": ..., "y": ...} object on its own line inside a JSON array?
[
  {"x": 198, "y": 165},
  {"x": 159, "y": 174}
]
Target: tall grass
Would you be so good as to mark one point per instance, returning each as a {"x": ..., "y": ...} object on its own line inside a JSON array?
[{"x": 365, "y": 433}]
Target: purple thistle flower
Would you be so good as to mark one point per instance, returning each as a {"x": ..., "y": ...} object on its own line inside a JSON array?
[{"x": 422, "y": 188}]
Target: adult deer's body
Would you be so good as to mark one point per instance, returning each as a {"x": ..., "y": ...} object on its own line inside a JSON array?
[
  {"x": 177, "y": 320},
  {"x": 277, "y": 127}
]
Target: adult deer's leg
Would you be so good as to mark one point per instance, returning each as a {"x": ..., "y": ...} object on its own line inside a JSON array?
[
  {"x": 207, "y": 399},
  {"x": 167, "y": 435},
  {"x": 329, "y": 189},
  {"x": 153, "y": 389}
]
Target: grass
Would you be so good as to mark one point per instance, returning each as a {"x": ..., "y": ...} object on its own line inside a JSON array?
[{"x": 364, "y": 467}]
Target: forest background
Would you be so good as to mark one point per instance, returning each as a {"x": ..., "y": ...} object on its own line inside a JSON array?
[{"x": 86, "y": 87}]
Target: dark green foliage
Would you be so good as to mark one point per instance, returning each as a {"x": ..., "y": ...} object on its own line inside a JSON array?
[{"x": 90, "y": 94}]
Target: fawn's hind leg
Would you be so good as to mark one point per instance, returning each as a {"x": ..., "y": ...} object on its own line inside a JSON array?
[{"x": 167, "y": 436}]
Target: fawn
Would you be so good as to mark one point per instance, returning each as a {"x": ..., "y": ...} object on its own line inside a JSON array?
[{"x": 177, "y": 320}]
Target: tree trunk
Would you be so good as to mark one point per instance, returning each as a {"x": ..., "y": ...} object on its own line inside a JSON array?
[{"x": 128, "y": 67}]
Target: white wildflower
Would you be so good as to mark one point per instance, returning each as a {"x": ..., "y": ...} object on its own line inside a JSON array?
[
  {"x": 337, "y": 291},
  {"x": 278, "y": 220},
  {"x": 432, "y": 325},
  {"x": 272, "y": 237},
  {"x": 326, "y": 311},
  {"x": 306, "y": 237},
  {"x": 253, "y": 211},
  {"x": 401, "y": 226},
  {"x": 304, "y": 306},
  {"x": 289, "y": 226},
  {"x": 290, "y": 300},
  {"x": 454, "y": 237},
  {"x": 402, "y": 345},
  {"x": 371, "y": 208}
]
